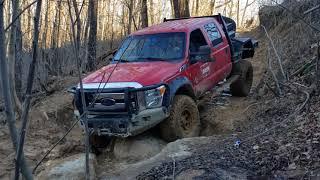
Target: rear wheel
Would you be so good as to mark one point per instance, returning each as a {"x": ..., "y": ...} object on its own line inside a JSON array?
[
  {"x": 184, "y": 120},
  {"x": 241, "y": 87}
]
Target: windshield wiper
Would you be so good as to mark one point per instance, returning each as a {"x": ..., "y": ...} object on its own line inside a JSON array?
[
  {"x": 152, "y": 59},
  {"x": 122, "y": 60}
]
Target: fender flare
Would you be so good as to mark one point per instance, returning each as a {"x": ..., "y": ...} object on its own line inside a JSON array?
[{"x": 181, "y": 85}]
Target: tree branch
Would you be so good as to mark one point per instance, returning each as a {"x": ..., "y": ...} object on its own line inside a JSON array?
[
  {"x": 276, "y": 52},
  {"x": 17, "y": 17},
  {"x": 27, "y": 101}
]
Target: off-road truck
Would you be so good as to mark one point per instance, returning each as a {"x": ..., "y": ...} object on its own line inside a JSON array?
[{"x": 158, "y": 74}]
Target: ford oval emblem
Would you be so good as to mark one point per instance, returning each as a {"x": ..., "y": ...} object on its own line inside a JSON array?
[{"x": 108, "y": 101}]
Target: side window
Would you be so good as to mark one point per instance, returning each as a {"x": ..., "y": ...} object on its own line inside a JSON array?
[
  {"x": 213, "y": 34},
  {"x": 196, "y": 40}
]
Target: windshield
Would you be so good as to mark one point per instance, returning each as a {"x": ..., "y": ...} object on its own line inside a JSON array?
[{"x": 157, "y": 47}]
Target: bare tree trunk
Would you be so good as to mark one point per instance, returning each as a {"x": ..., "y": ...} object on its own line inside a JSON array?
[
  {"x": 185, "y": 12},
  {"x": 123, "y": 21},
  {"x": 77, "y": 42},
  {"x": 105, "y": 21},
  {"x": 244, "y": 11},
  {"x": 181, "y": 8},
  {"x": 144, "y": 14},
  {"x": 176, "y": 8},
  {"x": 112, "y": 27},
  {"x": 29, "y": 18},
  {"x": 226, "y": 2},
  {"x": 197, "y": 7},
  {"x": 231, "y": 9},
  {"x": 173, "y": 14},
  {"x": 7, "y": 96},
  {"x": 92, "y": 42},
  {"x": 238, "y": 12},
  {"x": 78, "y": 22},
  {"x": 130, "y": 8},
  {"x": 151, "y": 12},
  {"x": 26, "y": 103},
  {"x": 45, "y": 30},
  {"x": 12, "y": 56},
  {"x": 55, "y": 26},
  {"x": 212, "y": 6},
  {"x": 18, "y": 59}
]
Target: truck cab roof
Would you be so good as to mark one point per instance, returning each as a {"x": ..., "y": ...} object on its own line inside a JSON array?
[{"x": 181, "y": 25}]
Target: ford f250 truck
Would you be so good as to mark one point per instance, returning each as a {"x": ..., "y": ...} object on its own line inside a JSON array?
[{"x": 159, "y": 73}]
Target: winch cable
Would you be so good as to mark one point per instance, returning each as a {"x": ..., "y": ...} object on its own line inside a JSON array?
[
  {"x": 108, "y": 79},
  {"x": 78, "y": 119}
]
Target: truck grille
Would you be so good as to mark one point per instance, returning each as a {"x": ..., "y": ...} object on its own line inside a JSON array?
[
  {"x": 119, "y": 104},
  {"x": 122, "y": 103}
]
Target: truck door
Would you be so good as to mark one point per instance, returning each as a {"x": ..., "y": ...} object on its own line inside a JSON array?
[
  {"x": 220, "y": 52},
  {"x": 198, "y": 71}
]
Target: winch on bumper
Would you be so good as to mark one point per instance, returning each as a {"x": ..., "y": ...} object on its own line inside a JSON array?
[{"x": 123, "y": 111}]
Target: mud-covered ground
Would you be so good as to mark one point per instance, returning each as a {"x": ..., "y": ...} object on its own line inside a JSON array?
[{"x": 50, "y": 117}]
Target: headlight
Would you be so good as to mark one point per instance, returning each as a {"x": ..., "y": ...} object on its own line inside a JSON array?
[{"x": 154, "y": 97}]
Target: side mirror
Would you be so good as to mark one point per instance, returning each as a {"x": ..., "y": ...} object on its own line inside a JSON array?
[{"x": 202, "y": 55}]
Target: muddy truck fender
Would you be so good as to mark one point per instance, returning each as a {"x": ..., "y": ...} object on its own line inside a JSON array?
[{"x": 181, "y": 86}]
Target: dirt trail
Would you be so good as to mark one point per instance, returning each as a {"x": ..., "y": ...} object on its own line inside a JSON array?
[{"x": 222, "y": 114}]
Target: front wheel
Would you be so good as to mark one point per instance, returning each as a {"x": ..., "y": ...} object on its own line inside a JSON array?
[{"x": 184, "y": 120}]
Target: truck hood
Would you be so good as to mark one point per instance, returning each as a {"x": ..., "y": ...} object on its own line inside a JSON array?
[{"x": 144, "y": 73}]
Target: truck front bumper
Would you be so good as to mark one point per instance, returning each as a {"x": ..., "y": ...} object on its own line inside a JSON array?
[{"x": 125, "y": 125}]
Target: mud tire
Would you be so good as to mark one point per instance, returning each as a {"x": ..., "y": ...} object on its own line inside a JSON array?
[
  {"x": 184, "y": 120},
  {"x": 241, "y": 87}
]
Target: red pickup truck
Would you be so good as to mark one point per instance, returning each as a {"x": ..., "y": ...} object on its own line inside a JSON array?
[{"x": 158, "y": 74}]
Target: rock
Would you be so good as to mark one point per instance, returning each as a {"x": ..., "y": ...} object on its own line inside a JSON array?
[
  {"x": 72, "y": 167},
  {"x": 138, "y": 148},
  {"x": 292, "y": 166},
  {"x": 2, "y": 133},
  {"x": 176, "y": 150},
  {"x": 256, "y": 147},
  {"x": 232, "y": 173},
  {"x": 189, "y": 174}
]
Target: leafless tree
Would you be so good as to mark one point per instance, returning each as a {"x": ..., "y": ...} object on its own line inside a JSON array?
[
  {"x": 151, "y": 14},
  {"x": 13, "y": 54},
  {"x": 56, "y": 25},
  {"x": 197, "y": 7},
  {"x": 175, "y": 7},
  {"x": 212, "y": 6},
  {"x": 238, "y": 12},
  {"x": 27, "y": 100},
  {"x": 144, "y": 14},
  {"x": 245, "y": 11},
  {"x": 130, "y": 8},
  {"x": 7, "y": 96},
  {"x": 181, "y": 8},
  {"x": 92, "y": 41},
  {"x": 76, "y": 34},
  {"x": 112, "y": 26}
]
